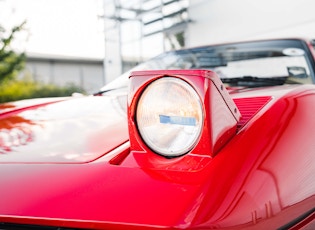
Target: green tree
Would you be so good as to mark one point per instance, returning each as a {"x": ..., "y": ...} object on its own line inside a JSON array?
[{"x": 10, "y": 62}]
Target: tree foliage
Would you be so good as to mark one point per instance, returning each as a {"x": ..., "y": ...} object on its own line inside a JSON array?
[
  {"x": 10, "y": 61},
  {"x": 27, "y": 89}
]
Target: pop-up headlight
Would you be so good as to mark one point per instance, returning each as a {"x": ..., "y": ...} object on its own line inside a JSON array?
[{"x": 174, "y": 112}]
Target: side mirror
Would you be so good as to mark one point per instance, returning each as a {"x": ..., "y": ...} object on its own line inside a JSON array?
[{"x": 297, "y": 72}]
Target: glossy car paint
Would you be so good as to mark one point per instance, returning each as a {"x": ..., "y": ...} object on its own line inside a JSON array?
[
  {"x": 235, "y": 188},
  {"x": 26, "y": 132},
  {"x": 260, "y": 177}
]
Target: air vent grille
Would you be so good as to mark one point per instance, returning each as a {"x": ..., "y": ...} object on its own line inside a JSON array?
[{"x": 248, "y": 107}]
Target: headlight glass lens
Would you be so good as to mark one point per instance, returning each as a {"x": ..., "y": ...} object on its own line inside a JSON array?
[{"x": 170, "y": 116}]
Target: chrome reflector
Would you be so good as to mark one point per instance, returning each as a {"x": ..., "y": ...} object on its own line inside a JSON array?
[{"x": 170, "y": 116}]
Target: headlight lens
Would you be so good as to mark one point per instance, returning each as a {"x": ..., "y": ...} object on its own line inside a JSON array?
[{"x": 170, "y": 116}]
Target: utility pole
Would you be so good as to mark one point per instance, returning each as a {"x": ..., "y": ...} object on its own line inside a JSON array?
[{"x": 112, "y": 63}]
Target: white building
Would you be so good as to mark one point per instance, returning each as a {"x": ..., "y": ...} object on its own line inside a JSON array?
[
  {"x": 86, "y": 73},
  {"x": 138, "y": 29},
  {"x": 145, "y": 28},
  {"x": 217, "y": 21}
]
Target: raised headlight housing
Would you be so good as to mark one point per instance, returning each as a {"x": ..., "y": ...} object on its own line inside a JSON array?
[
  {"x": 177, "y": 112},
  {"x": 169, "y": 116}
]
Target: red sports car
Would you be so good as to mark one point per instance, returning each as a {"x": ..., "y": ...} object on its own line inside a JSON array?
[{"x": 214, "y": 137}]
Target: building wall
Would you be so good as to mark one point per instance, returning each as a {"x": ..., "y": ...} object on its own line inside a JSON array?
[
  {"x": 216, "y": 21},
  {"x": 212, "y": 21},
  {"x": 87, "y": 74}
]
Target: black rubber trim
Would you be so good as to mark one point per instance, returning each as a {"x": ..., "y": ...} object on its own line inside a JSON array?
[
  {"x": 11, "y": 226},
  {"x": 297, "y": 220}
]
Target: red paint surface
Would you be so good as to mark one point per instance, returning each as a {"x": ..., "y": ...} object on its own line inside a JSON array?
[
  {"x": 262, "y": 177},
  {"x": 74, "y": 130}
]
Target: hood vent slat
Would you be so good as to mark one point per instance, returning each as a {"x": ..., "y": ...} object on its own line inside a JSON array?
[{"x": 248, "y": 107}]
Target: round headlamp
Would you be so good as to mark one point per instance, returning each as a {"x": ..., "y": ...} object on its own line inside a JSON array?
[{"x": 169, "y": 116}]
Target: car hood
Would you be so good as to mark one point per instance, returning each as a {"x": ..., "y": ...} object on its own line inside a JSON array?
[
  {"x": 62, "y": 130},
  {"x": 122, "y": 189}
]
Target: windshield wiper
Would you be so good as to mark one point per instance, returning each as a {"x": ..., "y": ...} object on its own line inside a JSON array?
[
  {"x": 101, "y": 92},
  {"x": 252, "y": 81}
]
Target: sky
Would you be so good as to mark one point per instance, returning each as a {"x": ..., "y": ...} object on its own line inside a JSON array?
[
  {"x": 57, "y": 27},
  {"x": 75, "y": 28}
]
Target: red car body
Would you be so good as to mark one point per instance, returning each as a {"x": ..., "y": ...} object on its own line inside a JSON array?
[{"x": 80, "y": 163}]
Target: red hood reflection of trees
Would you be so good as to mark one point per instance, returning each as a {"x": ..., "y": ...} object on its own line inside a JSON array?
[
  {"x": 14, "y": 131},
  {"x": 6, "y": 106}
]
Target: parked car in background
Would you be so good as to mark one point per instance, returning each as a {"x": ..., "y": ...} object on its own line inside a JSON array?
[{"x": 213, "y": 137}]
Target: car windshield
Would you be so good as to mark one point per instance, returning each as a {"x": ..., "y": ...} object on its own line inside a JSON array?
[{"x": 286, "y": 60}]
